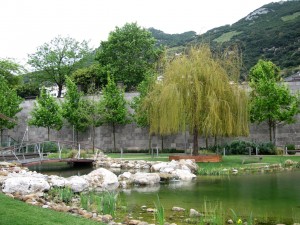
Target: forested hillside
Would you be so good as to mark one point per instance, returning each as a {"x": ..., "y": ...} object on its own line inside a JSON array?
[{"x": 271, "y": 32}]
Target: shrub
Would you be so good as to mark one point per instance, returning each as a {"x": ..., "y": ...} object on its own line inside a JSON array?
[
  {"x": 239, "y": 147},
  {"x": 267, "y": 148}
]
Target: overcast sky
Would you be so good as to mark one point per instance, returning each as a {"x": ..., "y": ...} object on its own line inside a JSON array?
[{"x": 27, "y": 24}]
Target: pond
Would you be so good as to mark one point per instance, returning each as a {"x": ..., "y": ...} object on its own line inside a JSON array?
[{"x": 267, "y": 196}]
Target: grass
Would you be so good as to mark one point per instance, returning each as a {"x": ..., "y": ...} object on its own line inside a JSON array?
[
  {"x": 227, "y": 36},
  {"x": 290, "y": 17},
  {"x": 19, "y": 213}
]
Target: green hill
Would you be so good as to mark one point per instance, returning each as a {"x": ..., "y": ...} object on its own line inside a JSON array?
[{"x": 271, "y": 32}]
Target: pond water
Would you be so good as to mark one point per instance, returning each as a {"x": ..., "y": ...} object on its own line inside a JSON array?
[{"x": 269, "y": 195}]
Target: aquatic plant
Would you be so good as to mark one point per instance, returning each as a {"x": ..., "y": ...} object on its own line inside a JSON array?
[
  {"x": 64, "y": 194},
  {"x": 159, "y": 214}
]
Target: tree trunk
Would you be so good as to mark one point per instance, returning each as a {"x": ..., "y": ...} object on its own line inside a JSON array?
[
  {"x": 162, "y": 143},
  {"x": 150, "y": 143},
  {"x": 114, "y": 135},
  {"x": 77, "y": 134},
  {"x": 1, "y": 136},
  {"x": 93, "y": 138},
  {"x": 270, "y": 130},
  {"x": 274, "y": 133},
  {"x": 195, "y": 142},
  {"x": 59, "y": 90},
  {"x": 48, "y": 133}
]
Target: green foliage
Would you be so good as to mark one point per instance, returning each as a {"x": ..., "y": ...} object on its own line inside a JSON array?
[
  {"x": 273, "y": 36},
  {"x": 238, "y": 147},
  {"x": 17, "y": 212},
  {"x": 109, "y": 203},
  {"x": 28, "y": 90},
  {"x": 160, "y": 212},
  {"x": 74, "y": 107},
  {"x": 62, "y": 194},
  {"x": 128, "y": 54},
  {"x": 113, "y": 106},
  {"x": 92, "y": 77},
  {"x": 10, "y": 71},
  {"x": 270, "y": 100},
  {"x": 226, "y": 36},
  {"x": 57, "y": 59},
  {"x": 172, "y": 40},
  {"x": 9, "y": 105},
  {"x": 141, "y": 115},
  {"x": 267, "y": 148},
  {"x": 189, "y": 97},
  {"x": 46, "y": 112}
]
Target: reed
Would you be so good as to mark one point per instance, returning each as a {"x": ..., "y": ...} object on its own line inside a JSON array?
[{"x": 159, "y": 214}]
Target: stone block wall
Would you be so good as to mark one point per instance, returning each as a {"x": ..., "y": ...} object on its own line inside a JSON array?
[{"x": 132, "y": 137}]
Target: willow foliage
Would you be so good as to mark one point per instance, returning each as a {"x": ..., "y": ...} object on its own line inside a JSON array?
[{"x": 196, "y": 94}]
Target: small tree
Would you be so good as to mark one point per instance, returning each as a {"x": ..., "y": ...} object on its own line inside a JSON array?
[
  {"x": 46, "y": 113},
  {"x": 113, "y": 106},
  {"x": 75, "y": 108},
  {"x": 9, "y": 106},
  {"x": 270, "y": 99}
]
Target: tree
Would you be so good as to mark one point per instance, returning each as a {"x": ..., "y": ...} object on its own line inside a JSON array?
[
  {"x": 141, "y": 114},
  {"x": 113, "y": 106},
  {"x": 46, "y": 113},
  {"x": 75, "y": 108},
  {"x": 58, "y": 59},
  {"x": 196, "y": 94},
  {"x": 90, "y": 77},
  {"x": 128, "y": 54},
  {"x": 270, "y": 99},
  {"x": 10, "y": 71},
  {"x": 9, "y": 106}
]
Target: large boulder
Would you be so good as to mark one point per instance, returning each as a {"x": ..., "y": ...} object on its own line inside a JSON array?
[
  {"x": 25, "y": 183},
  {"x": 145, "y": 178},
  {"x": 184, "y": 175},
  {"x": 77, "y": 184},
  {"x": 102, "y": 178},
  {"x": 57, "y": 181}
]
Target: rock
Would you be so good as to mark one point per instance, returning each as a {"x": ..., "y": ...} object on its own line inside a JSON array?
[
  {"x": 145, "y": 178},
  {"x": 142, "y": 223},
  {"x": 102, "y": 178},
  {"x": 184, "y": 175},
  {"x": 133, "y": 222},
  {"x": 57, "y": 181},
  {"x": 124, "y": 176},
  {"x": 230, "y": 221},
  {"x": 25, "y": 184},
  {"x": 77, "y": 184},
  {"x": 194, "y": 213},
  {"x": 45, "y": 206},
  {"x": 4, "y": 173},
  {"x": 151, "y": 210},
  {"x": 106, "y": 218},
  {"x": 178, "y": 209}
]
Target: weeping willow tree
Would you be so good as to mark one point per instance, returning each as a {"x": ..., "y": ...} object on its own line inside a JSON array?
[{"x": 197, "y": 93}]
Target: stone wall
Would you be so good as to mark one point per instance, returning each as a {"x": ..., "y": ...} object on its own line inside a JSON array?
[{"x": 132, "y": 137}]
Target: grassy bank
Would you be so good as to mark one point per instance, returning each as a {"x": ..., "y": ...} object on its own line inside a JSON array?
[{"x": 19, "y": 213}]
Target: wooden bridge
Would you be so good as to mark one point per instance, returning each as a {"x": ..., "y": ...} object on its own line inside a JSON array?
[{"x": 33, "y": 153}]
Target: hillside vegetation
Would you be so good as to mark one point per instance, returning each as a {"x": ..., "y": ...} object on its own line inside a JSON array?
[{"x": 271, "y": 32}]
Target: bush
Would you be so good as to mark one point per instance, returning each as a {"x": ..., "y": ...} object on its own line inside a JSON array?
[
  {"x": 267, "y": 148},
  {"x": 238, "y": 147},
  {"x": 291, "y": 147}
]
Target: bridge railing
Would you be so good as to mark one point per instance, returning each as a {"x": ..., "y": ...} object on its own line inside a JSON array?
[{"x": 42, "y": 148}]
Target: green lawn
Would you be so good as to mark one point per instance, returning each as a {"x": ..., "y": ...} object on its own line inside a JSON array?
[{"x": 15, "y": 212}]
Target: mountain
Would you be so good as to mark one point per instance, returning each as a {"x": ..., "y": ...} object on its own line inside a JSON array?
[{"x": 270, "y": 32}]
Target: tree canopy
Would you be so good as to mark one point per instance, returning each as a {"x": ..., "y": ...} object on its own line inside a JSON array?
[
  {"x": 57, "y": 59},
  {"x": 128, "y": 54},
  {"x": 9, "y": 105},
  {"x": 271, "y": 100},
  {"x": 10, "y": 71},
  {"x": 46, "y": 113},
  {"x": 113, "y": 106},
  {"x": 196, "y": 94}
]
